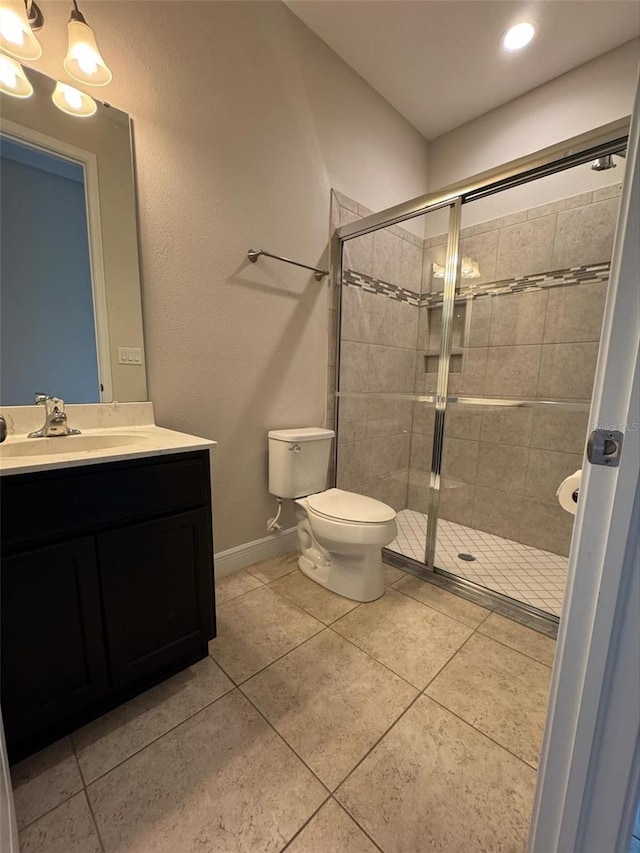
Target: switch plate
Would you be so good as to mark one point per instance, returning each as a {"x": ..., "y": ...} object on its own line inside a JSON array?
[{"x": 130, "y": 355}]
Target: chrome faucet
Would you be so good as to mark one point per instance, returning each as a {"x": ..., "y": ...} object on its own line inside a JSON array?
[
  {"x": 55, "y": 421},
  {"x": 3, "y": 428}
]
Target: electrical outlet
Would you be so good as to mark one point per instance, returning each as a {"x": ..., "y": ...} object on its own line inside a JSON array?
[{"x": 130, "y": 355}]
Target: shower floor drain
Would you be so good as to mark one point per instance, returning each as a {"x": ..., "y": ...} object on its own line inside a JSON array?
[{"x": 469, "y": 558}]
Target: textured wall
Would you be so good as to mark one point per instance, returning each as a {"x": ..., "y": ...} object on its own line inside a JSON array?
[
  {"x": 594, "y": 94},
  {"x": 243, "y": 121}
]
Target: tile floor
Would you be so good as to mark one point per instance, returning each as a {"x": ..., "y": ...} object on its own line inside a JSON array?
[
  {"x": 518, "y": 571},
  {"x": 317, "y": 725}
]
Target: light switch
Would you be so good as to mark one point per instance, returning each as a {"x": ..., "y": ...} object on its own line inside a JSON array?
[{"x": 129, "y": 355}]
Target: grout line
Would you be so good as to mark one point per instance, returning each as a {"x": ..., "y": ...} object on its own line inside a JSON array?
[
  {"x": 435, "y": 609},
  {"x": 286, "y": 743},
  {"x": 93, "y": 818},
  {"x": 240, "y": 595},
  {"x": 512, "y": 648},
  {"x": 358, "y": 824},
  {"x": 66, "y": 799},
  {"x": 21, "y": 828},
  {"x": 284, "y": 654},
  {"x": 305, "y": 824},
  {"x": 268, "y": 583},
  {"x": 160, "y": 736},
  {"x": 379, "y": 662},
  {"x": 480, "y": 732},
  {"x": 374, "y": 745},
  {"x": 446, "y": 664}
]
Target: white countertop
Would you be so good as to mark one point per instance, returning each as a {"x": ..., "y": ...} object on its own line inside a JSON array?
[{"x": 103, "y": 420}]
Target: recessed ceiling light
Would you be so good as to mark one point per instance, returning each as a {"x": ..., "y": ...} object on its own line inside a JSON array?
[{"x": 518, "y": 36}]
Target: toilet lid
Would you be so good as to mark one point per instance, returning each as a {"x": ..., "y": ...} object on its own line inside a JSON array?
[{"x": 348, "y": 506}]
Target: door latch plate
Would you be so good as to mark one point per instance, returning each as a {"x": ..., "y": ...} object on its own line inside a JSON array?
[{"x": 604, "y": 447}]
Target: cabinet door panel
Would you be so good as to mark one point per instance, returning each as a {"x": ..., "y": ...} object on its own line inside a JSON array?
[
  {"x": 53, "y": 662},
  {"x": 157, "y": 584}
]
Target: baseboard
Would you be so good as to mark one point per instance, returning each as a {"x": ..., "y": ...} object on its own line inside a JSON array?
[{"x": 245, "y": 555}]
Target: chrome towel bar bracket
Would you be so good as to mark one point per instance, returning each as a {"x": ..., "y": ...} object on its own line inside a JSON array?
[{"x": 254, "y": 254}]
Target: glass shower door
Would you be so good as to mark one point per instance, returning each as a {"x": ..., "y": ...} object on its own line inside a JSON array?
[
  {"x": 516, "y": 414},
  {"x": 385, "y": 400}
]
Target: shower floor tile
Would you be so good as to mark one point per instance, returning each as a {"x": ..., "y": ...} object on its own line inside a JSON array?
[{"x": 518, "y": 571}]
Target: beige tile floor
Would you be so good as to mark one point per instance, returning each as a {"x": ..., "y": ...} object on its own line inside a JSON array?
[{"x": 317, "y": 725}]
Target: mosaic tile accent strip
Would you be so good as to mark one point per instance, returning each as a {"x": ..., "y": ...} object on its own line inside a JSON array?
[
  {"x": 589, "y": 274},
  {"x": 518, "y": 571},
  {"x": 372, "y": 285}
]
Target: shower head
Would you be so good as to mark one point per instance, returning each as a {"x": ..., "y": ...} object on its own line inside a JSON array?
[{"x": 603, "y": 163}]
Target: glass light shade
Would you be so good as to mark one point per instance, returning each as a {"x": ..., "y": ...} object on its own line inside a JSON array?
[
  {"x": 470, "y": 268},
  {"x": 72, "y": 101},
  {"x": 83, "y": 61},
  {"x": 13, "y": 80},
  {"x": 16, "y": 36}
]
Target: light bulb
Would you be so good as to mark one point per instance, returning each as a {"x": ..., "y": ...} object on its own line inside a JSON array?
[
  {"x": 83, "y": 61},
  {"x": 16, "y": 36},
  {"x": 86, "y": 59},
  {"x": 13, "y": 80},
  {"x": 72, "y": 101},
  {"x": 518, "y": 36}
]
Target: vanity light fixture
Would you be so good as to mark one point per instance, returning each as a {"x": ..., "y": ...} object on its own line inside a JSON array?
[
  {"x": 518, "y": 36},
  {"x": 13, "y": 80},
  {"x": 18, "y": 19},
  {"x": 469, "y": 269},
  {"x": 83, "y": 61},
  {"x": 72, "y": 101}
]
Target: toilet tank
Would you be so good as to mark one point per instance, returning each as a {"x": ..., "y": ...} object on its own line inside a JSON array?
[{"x": 299, "y": 461}]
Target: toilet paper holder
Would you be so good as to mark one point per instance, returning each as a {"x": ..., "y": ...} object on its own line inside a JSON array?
[{"x": 604, "y": 447}]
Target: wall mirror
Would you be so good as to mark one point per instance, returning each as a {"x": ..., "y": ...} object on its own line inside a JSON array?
[{"x": 70, "y": 308}]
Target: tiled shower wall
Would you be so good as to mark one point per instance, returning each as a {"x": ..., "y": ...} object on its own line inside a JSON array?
[
  {"x": 501, "y": 466},
  {"x": 378, "y": 351}
]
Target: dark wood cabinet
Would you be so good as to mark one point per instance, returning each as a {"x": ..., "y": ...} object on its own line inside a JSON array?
[
  {"x": 107, "y": 588},
  {"x": 156, "y": 580},
  {"x": 53, "y": 660}
]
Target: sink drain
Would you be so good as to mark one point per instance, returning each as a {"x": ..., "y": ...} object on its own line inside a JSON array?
[{"x": 468, "y": 557}]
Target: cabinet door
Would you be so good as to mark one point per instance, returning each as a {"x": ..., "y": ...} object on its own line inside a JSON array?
[
  {"x": 157, "y": 585},
  {"x": 53, "y": 662}
]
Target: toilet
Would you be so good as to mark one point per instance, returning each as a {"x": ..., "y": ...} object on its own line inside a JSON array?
[{"x": 341, "y": 534}]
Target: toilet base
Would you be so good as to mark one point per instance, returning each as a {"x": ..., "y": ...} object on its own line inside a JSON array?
[{"x": 358, "y": 576}]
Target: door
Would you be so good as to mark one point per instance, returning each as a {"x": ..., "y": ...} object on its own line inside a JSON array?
[
  {"x": 590, "y": 765},
  {"x": 157, "y": 586},
  {"x": 53, "y": 662},
  {"x": 527, "y": 312}
]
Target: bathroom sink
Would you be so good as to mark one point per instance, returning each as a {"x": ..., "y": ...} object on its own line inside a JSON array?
[{"x": 66, "y": 444}]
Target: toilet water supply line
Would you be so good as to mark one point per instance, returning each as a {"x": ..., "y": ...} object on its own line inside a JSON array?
[{"x": 272, "y": 524}]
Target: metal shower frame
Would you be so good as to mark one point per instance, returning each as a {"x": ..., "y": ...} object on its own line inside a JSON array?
[{"x": 607, "y": 139}]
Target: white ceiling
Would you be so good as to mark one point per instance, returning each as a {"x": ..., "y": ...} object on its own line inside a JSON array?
[{"x": 440, "y": 64}]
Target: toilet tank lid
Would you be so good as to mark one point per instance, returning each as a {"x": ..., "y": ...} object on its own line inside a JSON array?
[
  {"x": 349, "y": 506},
  {"x": 301, "y": 434}
]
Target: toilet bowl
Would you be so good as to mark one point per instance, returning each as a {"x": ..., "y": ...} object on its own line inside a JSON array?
[{"x": 341, "y": 536}]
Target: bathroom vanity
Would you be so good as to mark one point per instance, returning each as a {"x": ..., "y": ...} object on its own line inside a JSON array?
[{"x": 107, "y": 573}]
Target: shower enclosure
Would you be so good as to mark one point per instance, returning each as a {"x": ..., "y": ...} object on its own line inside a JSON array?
[{"x": 467, "y": 327}]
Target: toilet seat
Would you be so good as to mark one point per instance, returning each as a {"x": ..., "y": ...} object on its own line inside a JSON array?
[{"x": 338, "y": 505}]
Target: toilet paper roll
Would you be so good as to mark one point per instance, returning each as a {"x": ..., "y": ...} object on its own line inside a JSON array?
[{"x": 567, "y": 493}]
